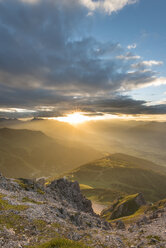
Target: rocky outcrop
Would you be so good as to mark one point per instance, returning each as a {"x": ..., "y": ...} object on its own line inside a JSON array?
[
  {"x": 33, "y": 212},
  {"x": 61, "y": 190},
  {"x": 70, "y": 191},
  {"x": 124, "y": 206}
]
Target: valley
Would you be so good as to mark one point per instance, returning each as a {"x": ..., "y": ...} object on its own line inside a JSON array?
[{"x": 62, "y": 186}]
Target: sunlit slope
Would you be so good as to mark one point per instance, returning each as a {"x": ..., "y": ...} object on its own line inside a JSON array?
[
  {"x": 26, "y": 153},
  {"x": 121, "y": 174}
]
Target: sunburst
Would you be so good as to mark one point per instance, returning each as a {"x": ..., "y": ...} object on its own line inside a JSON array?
[{"x": 74, "y": 118}]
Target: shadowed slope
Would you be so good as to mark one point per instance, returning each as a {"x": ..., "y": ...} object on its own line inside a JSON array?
[{"x": 26, "y": 153}]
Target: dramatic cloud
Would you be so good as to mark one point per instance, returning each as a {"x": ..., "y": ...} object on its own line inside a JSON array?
[
  {"x": 47, "y": 58},
  {"x": 108, "y": 6}
]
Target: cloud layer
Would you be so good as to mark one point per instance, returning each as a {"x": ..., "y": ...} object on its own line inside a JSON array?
[
  {"x": 47, "y": 58},
  {"x": 108, "y": 6}
]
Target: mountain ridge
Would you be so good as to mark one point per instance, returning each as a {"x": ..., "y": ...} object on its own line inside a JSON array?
[
  {"x": 117, "y": 175},
  {"x": 28, "y": 153}
]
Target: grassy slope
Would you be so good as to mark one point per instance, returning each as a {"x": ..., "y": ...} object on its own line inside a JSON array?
[
  {"x": 119, "y": 175},
  {"x": 139, "y": 213},
  {"x": 128, "y": 204},
  {"x": 25, "y": 153},
  {"x": 61, "y": 243}
]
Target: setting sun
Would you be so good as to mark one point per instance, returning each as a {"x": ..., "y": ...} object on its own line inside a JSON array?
[
  {"x": 81, "y": 117},
  {"x": 74, "y": 118}
]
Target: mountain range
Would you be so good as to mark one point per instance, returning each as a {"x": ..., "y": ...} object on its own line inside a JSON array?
[
  {"x": 27, "y": 153},
  {"x": 144, "y": 139}
]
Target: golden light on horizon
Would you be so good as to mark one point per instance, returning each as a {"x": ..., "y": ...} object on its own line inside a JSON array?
[
  {"x": 74, "y": 118},
  {"x": 77, "y": 118}
]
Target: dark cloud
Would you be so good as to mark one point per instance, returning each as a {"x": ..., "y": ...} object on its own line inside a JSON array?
[
  {"x": 121, "y": 105},
  {"x": 47, "y": 58},
  {"x": 46, "y": 106}
]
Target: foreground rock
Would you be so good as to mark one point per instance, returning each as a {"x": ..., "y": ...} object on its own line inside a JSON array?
[
  {"x": 34, "y": 212},
  {"x": 30, "y": 209},
  {"x": 70, "y": 191}
]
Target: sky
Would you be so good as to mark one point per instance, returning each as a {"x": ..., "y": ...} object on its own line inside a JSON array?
[{"x": 100, "y": 57}]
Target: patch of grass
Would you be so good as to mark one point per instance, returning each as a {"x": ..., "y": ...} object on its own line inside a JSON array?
[
  {"x": 27, "y": 199},
  {"x": 24, "y": 186},
  {"x": 40, "y": 224},
  {"x": 5, "y": 205},
  {"x": 129, "y": 205},
  {"x": 104, "y": 196},
  {"x": 61, "y": 243},
  {"x": 40, "y": 191},
  {"x": 55, "y": 225},
  {"x": 10, "y": 220},
  {"x": 154, "y": 237},
  {"x": 134, "y": 217},
  {"x": 21, "y": 184},
  {"x": 83, "y": 186},
  {"x": 18, "y": 223},
  {"x": 48, "y": 181}
]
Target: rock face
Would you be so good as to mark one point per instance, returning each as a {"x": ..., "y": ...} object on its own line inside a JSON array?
[
  {"x": 61, "y": 189},
  {"x": 44, "y": 209},
  {"x": 124, "y": 206},
  {"x": 70, "y": 191},
  {"x": 33, "y": 212}
]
